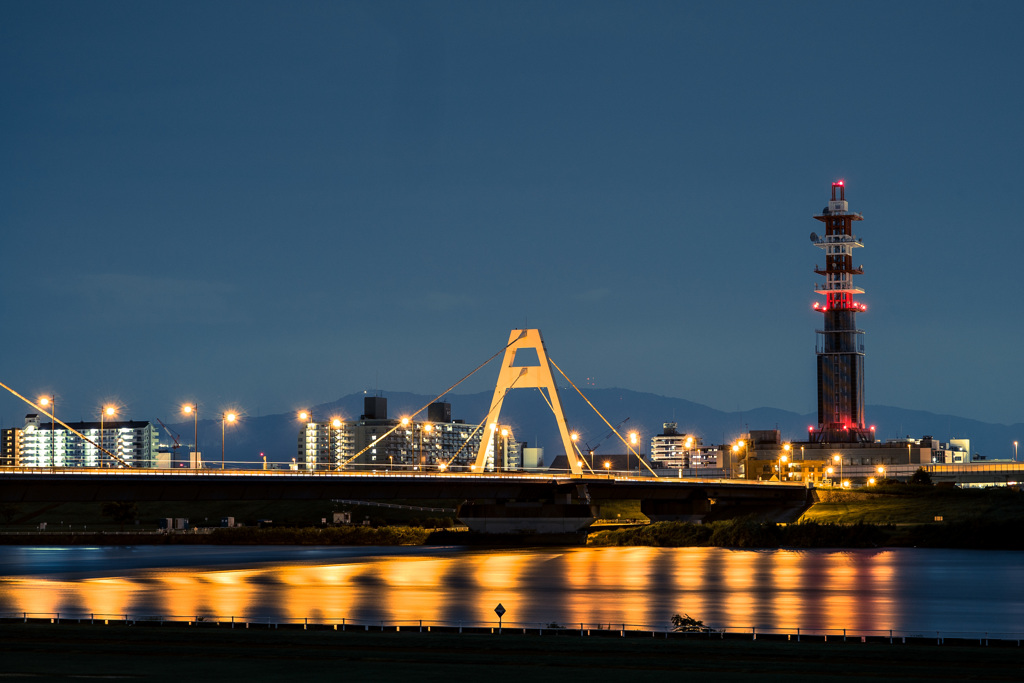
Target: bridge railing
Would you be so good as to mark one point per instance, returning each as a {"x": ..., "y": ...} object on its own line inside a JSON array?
[{"x": 554, "y": 627}]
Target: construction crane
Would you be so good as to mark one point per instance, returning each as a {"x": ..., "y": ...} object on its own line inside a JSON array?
[
  {"x": 591, "y": 449},
  {"x": 177, "y": 443}
]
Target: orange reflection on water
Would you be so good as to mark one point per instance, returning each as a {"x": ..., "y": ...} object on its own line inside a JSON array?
[
  {"x": 788, "y": 592},
  {"x": 611, "y": 586}
]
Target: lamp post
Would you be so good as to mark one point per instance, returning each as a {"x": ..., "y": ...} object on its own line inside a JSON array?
[
  {"x": 307, "y": 417},
  {"x": 428, "y": 428},
  {"x": 193, "y": 410},
  {"x": 839, "y": 459},
  {"x": 830, "y": 471},
  {"x": 45, "y": 401},
  {"x": 787, "y": 449},
  {"x": 504, "y": 446},
  {"x": 1015, "y": 451},
  {"x": 634, "y": 441},
  {"x": 336, "y": 424},
  {"x": 782, "y": 462},
  {"x": 108, "y": 411},
  {"x": 227, "y": 417},
  {"x": 410, "y": 444}
]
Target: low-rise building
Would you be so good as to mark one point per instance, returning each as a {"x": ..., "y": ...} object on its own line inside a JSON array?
[
  {"x": 375, "y": 441},
  {"x": 679, "y": 451}
]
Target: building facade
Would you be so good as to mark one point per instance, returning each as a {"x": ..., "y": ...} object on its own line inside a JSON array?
[
  {"x": 130, "y": 443},
  {"x": 10, "y": 442},
  {"x": 685, "y": 452}
]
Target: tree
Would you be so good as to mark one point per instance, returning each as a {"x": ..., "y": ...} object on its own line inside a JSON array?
[
  {"x": 123, "y": 512},
  {"x": 921, "y": 477},
  {"x": 688, "y": 624}
]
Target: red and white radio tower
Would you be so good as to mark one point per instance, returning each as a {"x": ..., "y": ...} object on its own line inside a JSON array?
[{"x": 840, "y": 345}]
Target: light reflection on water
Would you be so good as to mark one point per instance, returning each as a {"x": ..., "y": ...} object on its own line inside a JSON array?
[{"x": 902, "y": 589}]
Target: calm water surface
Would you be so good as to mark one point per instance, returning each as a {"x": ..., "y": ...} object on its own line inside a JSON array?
[{"x": 901, "y": 589}]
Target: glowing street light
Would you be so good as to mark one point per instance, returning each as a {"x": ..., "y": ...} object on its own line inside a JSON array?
[
  {"x": 49, "y": 402},
  {"x": 504, "y": 447},
  {"x": 108, "y": 411},
  {"x": 1015, "y": 451},
  {"x": 871, "y": 481},
  {"x": 839, "y": 459},
  {"x": 634, "y": 440},
  {"x": 227, "y": 417},
  {"x": 193, "y": 410},
  {"x": 333, "y": 448},
  {"x": 830, "y": 471},
  {"x": 307, "y": 417},
  {"x": 782, "y": 463}
]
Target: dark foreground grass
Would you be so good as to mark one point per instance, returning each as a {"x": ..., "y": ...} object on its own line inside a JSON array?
[{"x": 177, "y": 653}]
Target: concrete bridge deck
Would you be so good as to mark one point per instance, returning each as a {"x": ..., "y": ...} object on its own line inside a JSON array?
[{"x": 661, "y": 498}]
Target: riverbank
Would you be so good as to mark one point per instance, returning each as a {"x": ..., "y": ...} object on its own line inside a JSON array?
[
  {"x": 339, "y": 535},
  {"x": 975, "y": 534},
  {"x": 176, "y": 653}
]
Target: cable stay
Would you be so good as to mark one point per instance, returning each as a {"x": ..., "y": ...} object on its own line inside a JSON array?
[
  {"x": 63, "y": 424},
  {"x": 602, "y": 417},
  {"x": 441, "y": 395},
  {"x": 574, "y": 444}
]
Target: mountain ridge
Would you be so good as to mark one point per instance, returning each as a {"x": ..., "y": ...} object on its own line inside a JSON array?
[{"x": 531, "y": 420}]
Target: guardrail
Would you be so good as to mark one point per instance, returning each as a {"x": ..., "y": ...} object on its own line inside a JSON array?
[{"x": 547, "y": 628}]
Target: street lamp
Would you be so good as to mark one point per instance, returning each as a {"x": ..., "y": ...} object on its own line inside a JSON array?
[
  {"x": 228, "y": 417},
  {"x": 45, "y": 401},
  {"x": 336, "y": 424},
  {"x": 830, "y": 471},
  {"x": 504, "y": 445},
  {"x": 839, "y": 459},
  {"x": 193, "y": 410},
  {"x": 1015, "y": 451},
  {"x": 307, "y": 417},
  {"x": 881, "y": 472},
  {"x": 634, "y": 438},
  {"x": 782, "y": 462},
  {"x": 428, "y": 428},
  {"x": 108, "y": 411}
]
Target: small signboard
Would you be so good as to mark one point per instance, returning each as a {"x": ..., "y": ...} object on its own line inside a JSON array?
[{"x": 500, "y": 611}]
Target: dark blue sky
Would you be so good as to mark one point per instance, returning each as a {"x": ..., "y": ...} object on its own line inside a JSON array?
[{"x": 270, "y": 205}]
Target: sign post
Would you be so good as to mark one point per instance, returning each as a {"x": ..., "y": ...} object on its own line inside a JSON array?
[{"x": 500, "y": 611}]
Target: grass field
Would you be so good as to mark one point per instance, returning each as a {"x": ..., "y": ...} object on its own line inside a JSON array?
[
  {"x": 913, "y": 505},
  {"x": 176, "y": 653}
]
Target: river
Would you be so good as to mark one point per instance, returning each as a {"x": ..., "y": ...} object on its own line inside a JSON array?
[{"x": 908, "y": 590}]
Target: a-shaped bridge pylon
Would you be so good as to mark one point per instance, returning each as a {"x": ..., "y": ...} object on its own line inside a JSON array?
[{"x": 526, "y": 376}]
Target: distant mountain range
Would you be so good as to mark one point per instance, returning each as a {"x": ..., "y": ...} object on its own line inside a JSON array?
[{"x": 531, "y": 419}]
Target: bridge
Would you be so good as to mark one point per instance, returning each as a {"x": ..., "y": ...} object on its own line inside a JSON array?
[{"x": 660, "y": 498}]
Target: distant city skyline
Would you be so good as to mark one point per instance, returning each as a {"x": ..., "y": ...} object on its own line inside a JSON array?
[{"x": 263, "y": 207}]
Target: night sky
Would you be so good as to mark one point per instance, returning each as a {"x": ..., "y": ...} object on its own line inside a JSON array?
[{"x": 270, "y": 205}]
